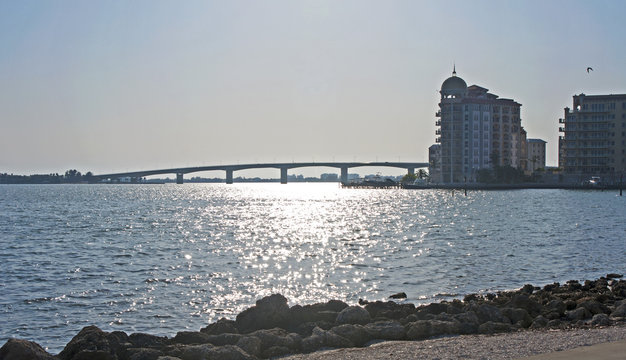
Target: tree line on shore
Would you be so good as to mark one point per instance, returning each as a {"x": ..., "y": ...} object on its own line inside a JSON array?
[{"x": 71, "y": 176}]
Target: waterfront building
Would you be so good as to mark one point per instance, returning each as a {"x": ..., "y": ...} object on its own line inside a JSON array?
[
  {"x": 477, "y": 130},
  {"x": 434, "y": 163},
  {"x": 536, "y": 154},
  {"x": 594, "y": 136}
]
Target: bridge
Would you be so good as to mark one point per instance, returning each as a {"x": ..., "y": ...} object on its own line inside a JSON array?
[{"x": 283, "y": 167}]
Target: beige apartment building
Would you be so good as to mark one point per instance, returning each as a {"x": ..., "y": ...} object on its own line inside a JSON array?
[
  {"x": 594, "y": 136},
  {"x": 477, "y": 130},
  {"x": 535, "y": 155}
]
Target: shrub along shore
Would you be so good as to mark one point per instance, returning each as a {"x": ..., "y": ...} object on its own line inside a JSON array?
[{"x": 271, "y": 328}]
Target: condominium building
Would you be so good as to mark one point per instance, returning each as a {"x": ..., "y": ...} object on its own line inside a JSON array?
[
  {"x": 477, "y": 130},
  {"x": 535, "y": 154},
  {"x": 594, "y": 136}
]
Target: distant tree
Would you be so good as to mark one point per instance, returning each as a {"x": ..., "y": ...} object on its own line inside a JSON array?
[
  {"x": 422, "y": 174},
  {"x": 72, "y": 175},
  {"x": 409, "y": 178}
]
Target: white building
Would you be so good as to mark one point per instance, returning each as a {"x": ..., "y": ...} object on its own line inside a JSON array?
[{"x": 477, "y": 130}]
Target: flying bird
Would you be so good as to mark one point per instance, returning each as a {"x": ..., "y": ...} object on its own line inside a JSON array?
[{"x": 589, "y": 69}]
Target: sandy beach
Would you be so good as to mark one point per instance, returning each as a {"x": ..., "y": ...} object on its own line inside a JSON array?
[{"x": 597, "y": 343}]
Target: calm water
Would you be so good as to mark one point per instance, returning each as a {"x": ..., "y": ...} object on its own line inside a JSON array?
[{"x": 165, "y": 258}]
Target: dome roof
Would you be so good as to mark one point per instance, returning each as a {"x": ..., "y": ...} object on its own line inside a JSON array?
[{"x": 454, "y": 83}]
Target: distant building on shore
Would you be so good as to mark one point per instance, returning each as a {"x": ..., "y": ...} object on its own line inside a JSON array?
[
  {"x": 477, "y": 130},
  {"x": 594, "y": 136},
  {"x": 535, "y": 155}
]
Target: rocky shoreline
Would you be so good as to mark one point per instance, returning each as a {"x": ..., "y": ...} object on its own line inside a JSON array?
[{"x": 272, "y": 329}]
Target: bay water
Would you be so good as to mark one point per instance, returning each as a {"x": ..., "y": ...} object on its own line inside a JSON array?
[{"x": 166, "y": 258}]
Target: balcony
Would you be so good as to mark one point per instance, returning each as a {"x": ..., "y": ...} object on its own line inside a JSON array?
[
  {"x": 561, "y": 121},
  {"x": 438, "y": 123},
  {"x": 438, "y": 140},
  {"x": 438, "y": 132},
  {"x": 561, "y": 129},
  {"x": 438, "y": 114}
]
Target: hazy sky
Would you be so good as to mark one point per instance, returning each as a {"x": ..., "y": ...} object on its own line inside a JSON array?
[{"x": 128, "y": 85}]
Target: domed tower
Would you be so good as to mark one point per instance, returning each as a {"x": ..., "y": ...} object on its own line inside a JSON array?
[
  {"x": 453, "y": 87},
  {"x": 450, "y": 134}
]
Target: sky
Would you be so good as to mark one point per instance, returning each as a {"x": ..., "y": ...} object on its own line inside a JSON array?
[{"x": 114, "y": 86}]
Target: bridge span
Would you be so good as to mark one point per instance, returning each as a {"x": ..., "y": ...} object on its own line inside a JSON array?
[{"x": 283, "y": 167}]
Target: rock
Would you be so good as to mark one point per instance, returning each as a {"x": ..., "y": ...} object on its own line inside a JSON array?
[
  {"x": 389, "y": 310},
  {"x": 93, "y": 343},
  {"x": 614, "y": 276},
  {"x": 222, "y": 326},
  {"x": 577, "y": 314},
  {"x": 527, "y": 289},
  {"x": 491, "y": 327},
  {"x": 518, "y": 316},
  {"x": 353, "y": 315},
  {"x": 570, "y": 304},
  {"x": 400, "y": 295},
  {"x": 620, "y": 311},
  {"x": 321, "y": 338},
  {"x": 190, "y": 337},
  {"x": 140, "y": 340},
  {"x": 600, "y": 320},
  {"x": 269, "y": 312},
  {"x": 210, "y": 352},
  {"x": 524, "y": 302},
  {"x": 224, "y": 339},
  {"x": 275, "y": 351},
  {"x": 299, "y": 315},
  {"x": 277, "y": 337},
  {"x": 555, "y": 324},
  {"x": 539, "y": 322},
  {"x": 424, "y": 329},
  {"x": 486, "y": 312},
  {"x": 434, "y": 308},
  {"x": 556, "y": 306},
  {"x": 595, "y": 307},
  {"x": 551, "y": 287},
  {"x": 357, "y": 334},
  {"x": 386, "y": 330},
  {"x": 250, "y": 344},
  {"x": 18, "y": 349},
  {"x": 468, "y": 322},
  {"x": 143, "y": 354}
]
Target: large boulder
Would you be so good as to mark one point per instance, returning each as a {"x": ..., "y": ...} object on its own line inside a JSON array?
[
  {"x": 518, "y": 316},
  {"x": 18, "y": 349},
  {"x": 354, "y": 315},
  {"x": 491, "y": 327},
  {"x": 269, "y": 312},
  {"x": 424, "y": 329},
  {"x": 386, "y": 330},
  {"x": 357, "y": 334},
  {"x": 389, "y": 310},
  {"x": 190, "y": 337},
  {"x": 324, "y": 339},
  {"x": 141, "y": 340},
  {"x": 486, "y": 312},
  {"x": 222, "y": 326},
  {"x": 523, "y": 301},
  {"x": 619, "y": 311},
  {"x": 93, "y": 343},
  {"x": 210, "y": 352},
  {"x": 277, "y": 338}
]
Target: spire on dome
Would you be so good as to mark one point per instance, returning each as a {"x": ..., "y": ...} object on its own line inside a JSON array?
[{"x": 454, "y": 70}]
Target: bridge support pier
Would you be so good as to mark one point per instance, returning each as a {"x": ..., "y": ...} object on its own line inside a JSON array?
[
  {"x": 344, "y": 175},
  {"x": 411, "y": 171},
  {"x": 229, "y": 176},
  {"x": 283, "y": 175},
  {"x": 179, "y": 178}
]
